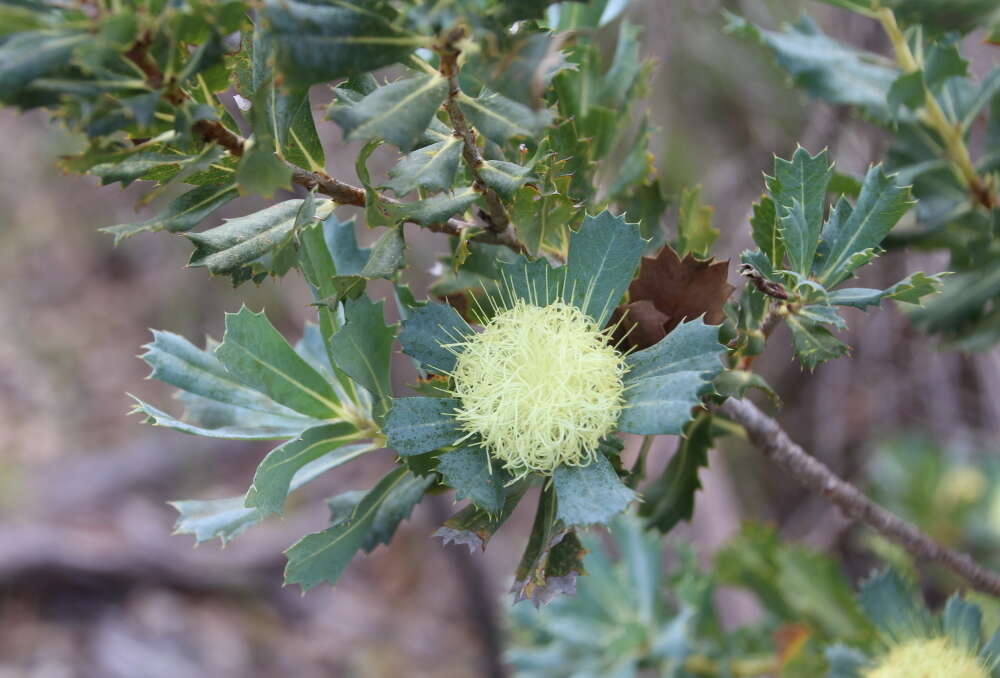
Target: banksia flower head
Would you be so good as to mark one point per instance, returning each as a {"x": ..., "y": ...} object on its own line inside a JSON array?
[
  {"x": 540, "y": 388},
  {"x": 916, "y": 643}
]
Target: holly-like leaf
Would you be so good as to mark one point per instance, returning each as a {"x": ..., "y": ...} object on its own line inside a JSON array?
[
  {"x": 474, "y": 526},
  {"x": 467, "y": 469},
  {"x": 891, "y": 604},
  {"x": 504, "y": 177},
  {"x": 543, "y": 214},
  {"x": 182, "y": 213},
  {"x": 440, "y": 207},
  {"x": 799, "y": 237},
  {"x": 323, "y": 556},
  {"x": 362, "y": 348},
  {"x": 814, "y": 344},
  {"x": 499, "y": 118},
  {"x": 590, "y": 494},
  {"x": 910, "y": 290},
  {"x": 670, "y": 498},
  {"x": 427, "y": 331},
  {"x": 431, "y": 168},
  {"x": 397, "y": 507},
  {"x": 398, "y": 112},
  {"x": 666, "y": 381},
  {"x": 418, "y": 425},
  {"x": 316, "y": 42},
  {"x": 879, "y": 206},
  {"x": 695, "y": 234},
  {"x": 228, "y": 422},
  {"x": 603, "y": 256},
  {"x": 258, "y": 356},
  {"x": 261, "y": 172},
  {"x": 274, "y": 475},
  {"x": 669, "y": 290}
]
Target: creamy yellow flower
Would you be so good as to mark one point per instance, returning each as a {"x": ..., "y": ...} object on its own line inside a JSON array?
[{"x": 927, "y": 658}]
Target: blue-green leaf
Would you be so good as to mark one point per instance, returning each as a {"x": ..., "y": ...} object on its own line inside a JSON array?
[
  {"x": 666, "y": 381},
  {"x": 229, "y": 422},
  {"x": 467, "y": 469},
  {"x": 181, "y": 214},
  {"x": 362, "y": 348},
  {"x": 603, "y": 256},
  {"x": 962, "y": 621},
  {"x": 258, "y": 356},
  {"x": 814, "y": 344},
  {"x": 504, "y": 177},
  {"x": 432, "y": 167},
  {"x": 499, "y": 118},
  {"x": 427, "y": 330},
  {"x": 911, "y": 290},
  {"x": 274, "y": 475},
  {"x": 764, "y": 225},
  {"x": 890, "y": 603},
  {"x": 422, "y": 424},
  {"x": 440, "y": 207},
  {"x": 590, "y": 494},
  {"x": 670, "y": 498}
]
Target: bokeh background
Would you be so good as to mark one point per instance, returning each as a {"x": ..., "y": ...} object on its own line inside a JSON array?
[{"x": 93, "y": 584}]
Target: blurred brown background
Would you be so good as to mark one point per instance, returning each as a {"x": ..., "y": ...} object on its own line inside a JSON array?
[{"x": 93, "y": 585}]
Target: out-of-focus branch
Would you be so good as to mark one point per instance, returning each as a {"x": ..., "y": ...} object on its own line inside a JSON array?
[{"x": 768, "y": 436}]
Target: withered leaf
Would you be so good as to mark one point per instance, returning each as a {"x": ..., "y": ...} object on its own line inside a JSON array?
[{"x": 667, "y": 291}]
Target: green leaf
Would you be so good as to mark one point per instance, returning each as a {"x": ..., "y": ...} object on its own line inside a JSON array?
[
  {"x": 823, "y": 313},
  {"x": 695, "y": 234},
  {"x": 348, "y": 258},
  {"x": 603, "y": 257},
  {"x": 317, "y": 42},
  {"x": 34, "y": 54},
  {"x": 626, "y": 65},
  {"x": 798, "y": 236},
  {"x": 294, "y": 129},
  {"x": 879, "y": 206},
  {"x": 431, "y": 168},
  {"x": 261, "y": 172},
  {"x": 394, "y": 510},
  {"x": 427, "y": 330},
  {"x": 398, "y": 112},
  {"x": 666, "y": 381},
  {"x": 440, "y": 207},
  {"x": 273, "y": 478},
  {"x": 907, "y": 91},
  {"x": 764, "y": 224},
  {"x": 239, "y": 242},
  {"x": 323, "y": 556},
  {"x": 890, "y": 603},
  {"x": 231, "y": 423},
  {"x": 226, "y": 519},
  {"x": 962, "y": 622},
  {"x": 544, "y": 215},
  {"x": 133, "y": 167},
  {"x": 386, "y": 256},
  {"x": 530, "y": 574},
  {"x": 362, "y": 348},
  {"x": 422, "y": 424},
  {"x": 814, "y": 344},
  {"x": 910, "y": 290},
  {"x": 258, "y": 356},
  {"x": 467, "y": 469},
  {"x": 823, "y": 67},
  {"x": 670, "y": 499},
  {"x": 804, "y": 180},
  {"x": 590, "y": 494},
  {"x": 181, "y": 214},
  {"x": 499, "y": 118},
  {"x": 474, "y": 526},
  {"x": 504, "y": 177}
]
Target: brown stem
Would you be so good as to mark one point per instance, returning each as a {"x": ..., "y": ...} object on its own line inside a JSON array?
[
  {"x": 768, "y": 436},
  {"x": 495, "y": 215}
]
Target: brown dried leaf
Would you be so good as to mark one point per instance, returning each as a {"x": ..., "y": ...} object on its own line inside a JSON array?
[{"x": 667, "y": 291}]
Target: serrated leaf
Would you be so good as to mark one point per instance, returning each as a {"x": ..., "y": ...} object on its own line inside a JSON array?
[
  {"x": 695, "y": 234},
  {"x": 764, "y": 226},
  {"x": 319, "y": 42},
  {"x": 879, "y": 206},
  {"x": 474, "y": 527},
  {"x": 427, "y": 330},
  {"x": 396, "y": 508},
  {"x": 499, "y": 118},
  {"x": 814, "y": 344},
  {"x": 398, "y": 112},
  {"x": 821, "y": 313},
  {"x": 34, "y": 54},
  {"x": 362, "y": 348},
  {"x": 261, "y": 172},
  {"x": 666, "y": 381},
  {"x": 440, "y": 207},
  {"x": 542, "y": 216},
  {"x": 323, "y": 556},
  {"x": 422, "y": 424},
  {"x": 467, "y": 469},
  {"x": 504, "y": 177},
  {"x": 910, "y": 290},
  {"x": 603, "y": 256},
  {"x": 248, "y": 424},
  {"x": 890, "y": 603},
  {"x": 670, "y": 498},
  {"x": 181, "y": 214},
  {"x": 258, "y": 356},
  {"x": 589, "y": 494},
  {"x": 273, "y": 477},
  {"x": 431, "y": 168}
]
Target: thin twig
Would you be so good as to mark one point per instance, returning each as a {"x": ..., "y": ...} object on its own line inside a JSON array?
[
  {"x": 768, "y": 436},
  {"x": 496, "y": 215}
]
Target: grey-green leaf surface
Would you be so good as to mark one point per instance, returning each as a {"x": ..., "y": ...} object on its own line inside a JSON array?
[
  {"x": 399, "y": 112},
  {"x": 499, "y": 118},
  {"x": 323, "y": 556},
  {"x": 467, "y": 469},
  {"x": 273, "y": 477},
  {"x": 421, "y": 424},
  {"x": 879, "y": 206},
  {"x": 814, "y": 344},
  {"x": 666, "y": 381},
  {"x": 258, "y": 356},
  {"x": 589, "y": 494},
  {"x": 504, "y": 177},
  {"x": 603, "y": 256},
  {"x": 432, "y": 167},
  {"x": 235, "y": 424},
  {"x": 426, "y": 333},
  {"x": 181, "y": 214},
  {"x": 440, "y": 207},
  {"x": 362, "y": 348},
  {"x": 911, "y": 290},
  {"x": 670, "y": 498},
  {"x": 764, "y": 227}
]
